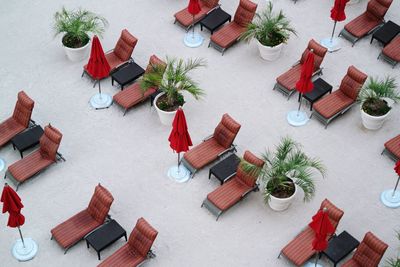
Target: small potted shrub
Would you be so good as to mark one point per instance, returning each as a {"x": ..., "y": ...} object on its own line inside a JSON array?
[
  {"x": 76, "y": 25},
  {"x": 377, "y": 98},
  {"x": 172, "y": 80},
  {"x": 271, "y": 31},
  {"x": 285, "y": 170}
]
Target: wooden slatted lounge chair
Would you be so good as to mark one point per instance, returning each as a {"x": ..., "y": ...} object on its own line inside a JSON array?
[
  {"x": 133, "y": 95},
  {"x": 138, "y": 248},
  {"x": 73, "y": 230},
  {"x": 367, "y": 22},
  {"x": 185, "y": 19},
  {"x": 234, "y": 190},
  {"x": 299, "y": 250},
  {"x": 369, "y": 253},
  {"x": 19, "y": 120},
  {"x": 230, "y": 33},
  {"x": 391, "y": 52},
  {"x": 337, "y": 103},
  {"x": 286, "y": 82},
  {"x": 212, "y": 147},
  {"x": 392, "y": 148},
  {"x": 38, "y": 160}
]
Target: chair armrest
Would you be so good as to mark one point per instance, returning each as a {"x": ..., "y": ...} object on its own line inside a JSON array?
[
  {"x": 212, "y": 9},
  {"x": 232, "y": 148},
  {"x": 109, "y": 51},
  {"x": 208, "y": 137},
  {"x": 118, "y": 67}
]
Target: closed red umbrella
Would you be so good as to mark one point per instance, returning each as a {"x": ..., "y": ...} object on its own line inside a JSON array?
[
  {"x": 194, "y": 7},
  {"x": 337, "y": 14},
  {"x": 391, "y": 198},
  {"x": 193, "y": 40},
  {"x": 305, "y": 84}
]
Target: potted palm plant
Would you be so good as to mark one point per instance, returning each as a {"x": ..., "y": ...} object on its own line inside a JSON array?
[
  {"x": 377, "y": 98},
  {"x": 75, "y": 25},
  {"x": 394, "y": 262},
  {"x": 172, "y": 80},
  {"x": 285, "y": 170},
  {"x": 271, "y": 30}
]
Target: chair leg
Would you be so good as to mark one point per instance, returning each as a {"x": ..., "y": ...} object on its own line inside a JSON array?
[
  {"x": 16, "y": 189},
  {"x": 51, "y": 238},
  {"x": 279, "y": 256},
  {"x": 124, "y": 112},
  {"x": 83, "y": 73}
]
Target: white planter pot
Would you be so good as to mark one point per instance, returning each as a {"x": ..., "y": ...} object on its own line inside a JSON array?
[
  {"x": 373, "y": 122},
  {"x": 77, "y": 54},
  {"x": 281, "y": 204},
  {"x": 166, "y": 117},
  {"x": 269, "y": 53}
]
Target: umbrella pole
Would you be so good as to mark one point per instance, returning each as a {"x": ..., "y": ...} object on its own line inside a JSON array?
[
  {"x": 298, "y": 110},
  {"x": 397, "y": 183},
  {"x": 179, "y": 154},
  {"x": 20, "y": 234},
  {"x": 193, "y": 28},
  {"x": 316, "y": 259},
  {"x": 333, "y": 31},
  {"x": 99, "y": 89}
]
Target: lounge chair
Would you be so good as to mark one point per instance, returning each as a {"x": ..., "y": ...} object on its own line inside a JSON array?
[
  {"x": 234, "y": 190},
  {"x": 73, "y": 230},
  {"x": 133, "y": 95},
  {"x": 19, "y": 120},
  {"x": 213, "y": 146},
  {"x": 367, "y": 22},
  {"x": 230, "y": 33},
  {"x": 392, "y": 148},
  {"x": 138, "y": 248},
  {"x": 369, "y": 253},
  {"x": 391, "y": 52},
  {"x": 286, "y": 83},
  {"x": 38, "y": 160},
  {"x": 337, "y": 103},
  {"x": 299, "y": 250},
  {"x": 185, "y": 19}
]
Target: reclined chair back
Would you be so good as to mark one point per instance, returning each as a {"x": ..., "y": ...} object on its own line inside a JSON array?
[
  {"x": 249, "y": 178},
  {"x": 226, "y": 131},
  {"x": 49, "y": 142},
  {"x": 210, "y": 3},
  {"x": 334, "y": 213},
  {"x": 319, "y": 53},
  {"x": 377, "y": 8},
  {"x": 142, "y": 237},
  {"x": 23, "y": 109},
  {"x": 125, "y": 45},
  {"x": 154, "y": 61},
  {"x": 100, "y": 204},
  {"x": 353, "y": 81},
  {"x": 370, "y": 251},
  {"x": 245, "y": 13}
]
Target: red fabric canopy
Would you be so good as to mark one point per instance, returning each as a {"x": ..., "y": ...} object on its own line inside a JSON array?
[
  {"x": 13, "y": 205},
  {"x": 397, "y": 168},
  {"x": 194, "y": 7},
  {"x": 179, "y": 139},
  {"x": 305, "y": 85},
  {"x": 322, "y": 227},
  {"x": 337, "y": 11},
  {"x": 97, "y": 66}
]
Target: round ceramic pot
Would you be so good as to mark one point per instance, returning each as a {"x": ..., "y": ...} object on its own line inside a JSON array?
[
  {"x": 269, "y": 53},
  {"x": 373, "y": 122},
  {"x": 77, "y": 54},
  {"x": 166, "y": 117},
  {"x": 281, "y": 204}
]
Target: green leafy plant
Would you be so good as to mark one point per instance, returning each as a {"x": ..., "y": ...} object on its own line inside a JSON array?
[
  {"x": 373, "y": 93},
  {"x": 394, "y": 262},
  {"x": 173, "y": 79},
  {"x": 76, "y": 24},
  {"x": 269, "y": 28},
  {"x": 286, "y": 167}
]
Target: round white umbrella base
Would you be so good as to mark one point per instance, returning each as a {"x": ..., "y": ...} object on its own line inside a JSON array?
[
  {"x": 180, "y": 175},
  {"x": 332, "y": 45},
  {"x": 297, "y": 118},
  {"x": 312, "y": 264},
  {"x": 193, "y": 40},
  {"x": 2, "y": 164},
  {"x": 26, "y": 253},
  {"x": 100, "y": 101},
  {"x": 390, "y": 200}
]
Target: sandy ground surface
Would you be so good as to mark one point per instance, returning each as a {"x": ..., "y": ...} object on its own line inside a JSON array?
[{"x": 130, "y": 155}]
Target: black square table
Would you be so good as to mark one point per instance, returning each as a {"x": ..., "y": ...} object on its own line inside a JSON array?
[
  {"x": 104, "y": 236},
  {"x": 215, "y": 19},
  {"x": 225, "y": 169},
  {"x": 27, "y": 139},
  {"x": 340, "y": 246},
  {"x": 321, "y": 88},
  {"x": 127, "y": 74},
  {"x": 386, "y": 33}
]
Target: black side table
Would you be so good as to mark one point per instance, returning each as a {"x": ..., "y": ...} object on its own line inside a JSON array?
[
  {"x": 127, "y": 74},
  {"x": 225, "y": 169},
  {"x": 321, "y": 88},
  {"x": 340, "y": 246},
  {"x": 215, "y": 19},
  {"x": 105, "y": 236},
  {"x": 386, "y": 33},
  {"x": 27, "y": 139}
]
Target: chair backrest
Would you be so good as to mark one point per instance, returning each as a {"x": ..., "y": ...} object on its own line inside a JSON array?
[
  {"x": 142, "y": 237},
  {"x": 226, "y": 131},
  {"x": 100, "y": 204},
  {"x": 125, "y": 45},
  {"x": 370, "y": 251},
  {"x": 153, "y": 61},
  {"x": 335, "y": 214},
  {"x": 210, "y": 3},
  {"x": 49, "y": 142},
  {"x": 319, "y": 53},
  {"x": 23, "y": 109},
  {"x": 245, "y": 13},
  {"x": 378, "y": 8},
  {"x": 352, "y": 82},
  {"x": 249, "y": 178}
]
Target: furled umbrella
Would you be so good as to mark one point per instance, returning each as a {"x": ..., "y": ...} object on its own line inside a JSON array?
[
  {"x": 391, "y": 198},
  {"x": 98, "y": 68},
  {"x": 193, "y": 39},
  {"x": 337, "y": 14},
  {"x": 23, "y": 249},
  {"x": 303, "y": 86},
  {"x": 179, "y": 141}
]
